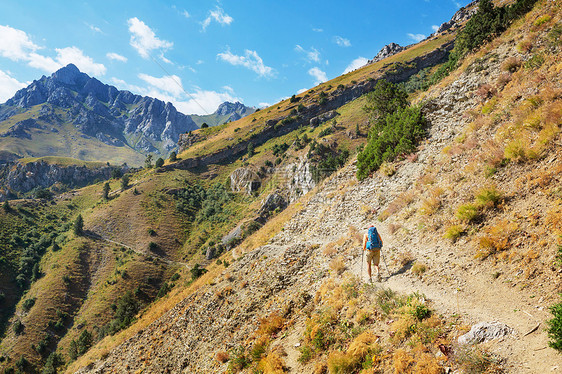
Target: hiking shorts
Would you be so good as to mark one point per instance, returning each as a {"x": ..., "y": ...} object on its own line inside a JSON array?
[{"x": 374, "y": 255}]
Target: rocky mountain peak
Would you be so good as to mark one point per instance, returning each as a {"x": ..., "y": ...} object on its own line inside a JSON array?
[
  {"x": 70, "y": 75},
  {"x": 228, "y": 108},
  {"x": 387, "y": 51}
]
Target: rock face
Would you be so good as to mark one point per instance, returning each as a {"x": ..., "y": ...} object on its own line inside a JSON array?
[
  {"x": 244, "y": 180},
  {"x": 20, "y": 177},
  {"x": 99, "y": 111},
  {"x": 387, "y": 51}
]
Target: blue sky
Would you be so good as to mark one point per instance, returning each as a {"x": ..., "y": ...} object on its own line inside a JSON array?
[{"x": 198, "y": 54}]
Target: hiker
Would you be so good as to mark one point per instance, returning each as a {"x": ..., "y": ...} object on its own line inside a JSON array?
[{"x": 373, "y": 243}]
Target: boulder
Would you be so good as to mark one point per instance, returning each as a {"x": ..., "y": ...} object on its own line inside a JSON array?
[
  {"x": 244, "y": 180},
  {"x": 485, "y": 331}
]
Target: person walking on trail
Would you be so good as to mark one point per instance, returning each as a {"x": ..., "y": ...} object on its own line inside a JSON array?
[{"x": 372, "y": 243}]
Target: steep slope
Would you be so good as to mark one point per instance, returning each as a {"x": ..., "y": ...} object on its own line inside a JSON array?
[{"x": 77, "y": 116}]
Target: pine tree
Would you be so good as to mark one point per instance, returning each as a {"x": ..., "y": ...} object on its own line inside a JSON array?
[
  {"x": 79, "y": 225},
  {"x": 106, "y": 189}
]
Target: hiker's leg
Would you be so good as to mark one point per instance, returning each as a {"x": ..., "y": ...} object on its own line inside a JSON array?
[
  {"x": 369, "y": 267},
  {"x": 376, "y": 262}
]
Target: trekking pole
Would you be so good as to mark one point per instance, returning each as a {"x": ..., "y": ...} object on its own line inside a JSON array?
[
  {"x": 362, "y": 254},
  {"x": 385, "y": 265}
]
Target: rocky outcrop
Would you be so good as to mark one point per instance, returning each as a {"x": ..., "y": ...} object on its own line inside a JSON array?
[
  {"x": 24, "y": 177},
  {"x": 99, "y": 111},
  {"x": 315, "y": 121},
  {"x": 387, "y": 51},
  {"x": 273, "y": 202},
  {"x": 187, "y": 140},
  {"x": 461, "y": 16},
  {"x": 484, "y": 332},
  {"x": 244, "y": 180}
]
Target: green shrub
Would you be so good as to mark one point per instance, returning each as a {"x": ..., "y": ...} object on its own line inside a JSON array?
[
  {"x": 555, "y": 327},
  {"x": 488, "y": 197},
  {"x": 28, "y": 304},
  {"x": 468, "y": 212},
  {"x": 173, "y": 157},
  {"x": 454, "y": 232},
  {"x": 18, "y": 327},
  {"x": 159, "y": 163},
  {"x": 398, "y": 134}
]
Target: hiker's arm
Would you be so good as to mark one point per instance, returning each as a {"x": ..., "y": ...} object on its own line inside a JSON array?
[{"x": 364, "y": 241}]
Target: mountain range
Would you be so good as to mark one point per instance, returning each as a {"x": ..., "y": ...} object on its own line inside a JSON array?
[{"x": 71, "y": 114}]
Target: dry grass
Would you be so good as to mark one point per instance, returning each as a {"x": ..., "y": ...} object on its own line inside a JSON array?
[
  {"x": 222, "y": 357},
  {"x": 271, "y": 325},
  {"x": 338, "y": 265},
  {"x": 272, "y": 364},
  {"x": 418, "y": 269}
]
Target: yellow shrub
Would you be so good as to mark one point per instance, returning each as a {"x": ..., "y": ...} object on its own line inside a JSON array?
[
  {"x": 418, "y": 269},
  {"x": 402, "y": 361},
  {"x": 453, "y": 232},
  {"x": 340, "y": 363},
  {"x": 361, "y": 346},
  {"x": 272, "y": 364},
  {"x": 271, "y": 324}
]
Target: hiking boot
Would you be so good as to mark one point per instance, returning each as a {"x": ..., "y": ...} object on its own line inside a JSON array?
[{"x": 379, "y": 278}]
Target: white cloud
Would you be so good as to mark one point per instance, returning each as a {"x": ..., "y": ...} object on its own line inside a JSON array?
[
  {"x": 228, "y": 88},
  {"x": 116, "y": 57},
  {"x": 317, "y": 30},
  {"x": 196, "y": 102},
  {"x": 8, "y": 86},
  {"x": 434, "y": 28},
  {"x": 144, "y": 40},
  {"x": 312, "y": 55},
  {"x": 218, "y": 15},
  {"x": 356, "y": 64},
  {"x": 15, "y": 45},
  {"x": 186, "y": 14},
  {"x": 41, "y": 62},
  {"x": 199, "y": 62},
  {"x": 342, "y": 42},
  {"x": 318, "y": 74},
  {"x": 302, "y": 90},
  {"x": 416, "y": 37},
  {"x": 94, "y": 28},
  {"x": 263, "y": 105},
  {"x": 75, "y": 56},
  {"x": 168, "y": 83},
  {"x": 250, "y": 60}
]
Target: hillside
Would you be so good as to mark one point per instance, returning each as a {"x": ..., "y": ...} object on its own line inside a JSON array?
[{"x": 243, "y": 254}]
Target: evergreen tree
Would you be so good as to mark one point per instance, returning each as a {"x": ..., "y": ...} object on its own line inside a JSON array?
[
  {"x": 106, "y": 189},
  {"x": 124, "y": 182},
  {"x": 148, "y": 162},
  {"x": 173, "y": 156},
  {"x": 159, "y": 162},
  {"x": 79, "y": 225}
]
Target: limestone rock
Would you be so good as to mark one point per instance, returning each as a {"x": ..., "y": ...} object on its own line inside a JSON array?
[
  {"x": 485, "y": 331},
  {"x": 244, "y": 180}
]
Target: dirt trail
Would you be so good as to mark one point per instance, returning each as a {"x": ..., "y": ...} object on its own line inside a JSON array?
[{"x": 476, "y": 298}]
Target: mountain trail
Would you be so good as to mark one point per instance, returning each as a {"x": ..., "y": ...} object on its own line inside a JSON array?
[{"x": 475, "y": 298}]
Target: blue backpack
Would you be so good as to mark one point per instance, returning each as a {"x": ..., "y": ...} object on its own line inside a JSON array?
[{"x": 373, "y": 239}]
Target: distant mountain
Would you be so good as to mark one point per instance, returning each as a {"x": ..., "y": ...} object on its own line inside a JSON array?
[
  {"x": 73, "y": 115},
  {"x": 226, "y": 112}
]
